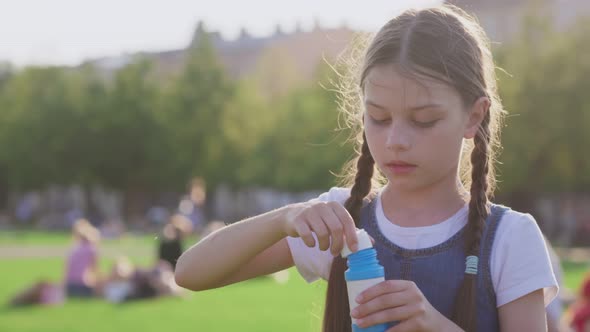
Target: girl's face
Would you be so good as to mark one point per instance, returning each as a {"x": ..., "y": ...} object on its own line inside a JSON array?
[{"x": 415, "y": 129}]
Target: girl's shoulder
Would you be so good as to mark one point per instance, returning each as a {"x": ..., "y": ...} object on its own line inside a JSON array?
[
  {"x": 515, "y": 224},
  {"x": 519, "y": 231},
  {"x": 515, "y": 219}
]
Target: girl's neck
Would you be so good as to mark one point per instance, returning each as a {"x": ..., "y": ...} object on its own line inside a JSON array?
[{"x": 425, "y": 207}]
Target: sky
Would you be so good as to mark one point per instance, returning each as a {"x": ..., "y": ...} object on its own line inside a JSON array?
[{"x": 66, "y": 32}]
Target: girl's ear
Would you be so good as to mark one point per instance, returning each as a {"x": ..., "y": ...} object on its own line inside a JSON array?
[{"x": 475, "y": 116}]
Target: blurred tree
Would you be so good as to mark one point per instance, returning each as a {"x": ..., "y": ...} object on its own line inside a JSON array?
[
  {"x": 34, "y": 132},
  {"x": 545, "y": 94},
  {"x": 306, "y": 146},
  {"x": 193, "y": 112},
  {"x": 6, "y": 72},
  {"x": 248, "y": 121},
  {"x": 125, "y": 150}
]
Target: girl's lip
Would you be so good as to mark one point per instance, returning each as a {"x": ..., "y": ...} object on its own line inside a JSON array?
[
  {"x": 400, "y": 168},
  {"x": 399, "y": 164}
]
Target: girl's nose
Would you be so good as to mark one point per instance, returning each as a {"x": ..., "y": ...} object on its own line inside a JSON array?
[{"x": 398, "y": 137}]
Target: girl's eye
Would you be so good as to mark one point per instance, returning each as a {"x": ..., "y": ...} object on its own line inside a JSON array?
[
  {"x": 427, "y": 124},
  {"x": 379, "y": 121}
]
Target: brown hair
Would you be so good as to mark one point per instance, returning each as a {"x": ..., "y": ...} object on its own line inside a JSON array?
[
  {"x": 448, "y": 45},
  {"x": 83, "y": 230}
]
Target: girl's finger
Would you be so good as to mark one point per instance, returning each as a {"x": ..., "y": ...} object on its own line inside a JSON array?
[
  {"x": 336, "y": 230},
  {"x": 383, "y": 302},
  {"x": 321, "y": 231},
  {"x": 384, "y": 287},
  {"x": 305, "y": 233},
  {"x": 347, "y": 224},
  {"x": 386, "y": 316}
]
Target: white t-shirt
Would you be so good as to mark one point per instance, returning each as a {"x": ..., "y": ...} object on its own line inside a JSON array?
[{"x": 519, "y": 263}]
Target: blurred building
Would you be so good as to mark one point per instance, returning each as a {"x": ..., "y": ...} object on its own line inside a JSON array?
[
  {"x": 501, "y": 19},
  {"x": 303, "y": 50}
]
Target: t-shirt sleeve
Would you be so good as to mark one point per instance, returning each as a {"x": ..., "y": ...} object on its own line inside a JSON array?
[
  {"x": 520, "y": 261},
  {"x": 313, "y": 263}
]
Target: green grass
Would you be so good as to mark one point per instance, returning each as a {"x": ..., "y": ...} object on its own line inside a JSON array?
[
  {"x": 33, "y": 237},
  {"x": 574, "y": 274},
  {"x": 257, "y": 305}
]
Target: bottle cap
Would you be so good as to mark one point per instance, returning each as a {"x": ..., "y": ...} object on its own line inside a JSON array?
[{"x": 364, "y": 242}]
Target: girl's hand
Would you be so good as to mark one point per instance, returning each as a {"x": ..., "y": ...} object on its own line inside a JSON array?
[
  {"x": 399, "y": 300},
  {"x": 330, "y": 221}
]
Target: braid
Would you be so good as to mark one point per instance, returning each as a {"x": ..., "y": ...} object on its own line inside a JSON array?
[
  {"x": 362, "y": 182},
  {"x": 465, "y": 311},
  {"x": 478, "y": 205},
  {"x": 337, "y": 311}
]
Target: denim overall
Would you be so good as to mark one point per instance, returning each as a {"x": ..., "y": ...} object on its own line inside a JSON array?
[{"x": 438, "y": 271}]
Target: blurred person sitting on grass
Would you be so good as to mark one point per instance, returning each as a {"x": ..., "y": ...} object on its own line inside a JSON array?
[
  {"x": 82, "y": 274},
  {"x": 127, "y": 282},
  {"x": 42, "y": 292},
  {"x": 117, "y": 285},
  {"x": 153, "y": 282}
]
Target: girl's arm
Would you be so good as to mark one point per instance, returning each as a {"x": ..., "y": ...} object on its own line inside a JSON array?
[
  {"x": 237, "y": 252},
  {"x": 258, "y": 245},
  {"x": 526, "y": 313}
]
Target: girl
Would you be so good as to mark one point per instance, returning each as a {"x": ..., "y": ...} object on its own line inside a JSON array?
[{"x": 454, "y": 261}]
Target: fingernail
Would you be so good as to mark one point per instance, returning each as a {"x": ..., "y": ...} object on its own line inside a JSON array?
[
  {"x": 360, "y": 322},
  {"x": 355, "y": 247},
  {"x": 359, "y": 299},
  {"x": 354, "y": 313}
]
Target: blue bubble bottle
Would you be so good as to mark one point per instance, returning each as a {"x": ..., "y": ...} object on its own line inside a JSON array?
[{"x": 363, "y": 272}]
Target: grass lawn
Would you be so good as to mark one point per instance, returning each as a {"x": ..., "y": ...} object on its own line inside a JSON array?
[{"x": 257, "y": 305}]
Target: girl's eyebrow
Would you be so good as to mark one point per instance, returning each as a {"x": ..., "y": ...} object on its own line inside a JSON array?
[
  {"x": 369, "y": 102},
  {"x": 372, "y": 103}
]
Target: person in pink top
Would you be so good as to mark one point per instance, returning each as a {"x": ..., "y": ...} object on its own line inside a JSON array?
[{"x": 81, "y": 275}]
